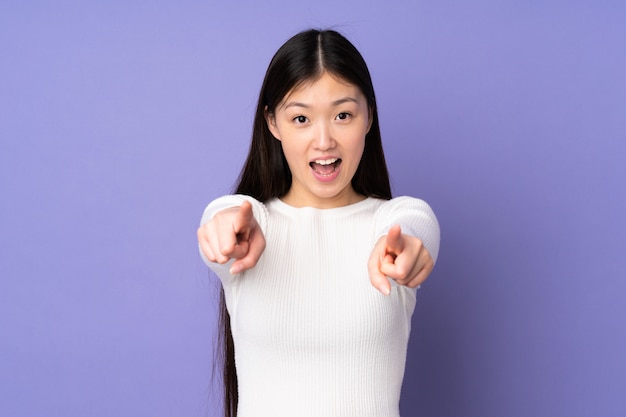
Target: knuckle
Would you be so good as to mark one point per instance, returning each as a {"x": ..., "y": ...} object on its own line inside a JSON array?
[
  {"x": 221, "y": 259},
  {"x": 402, "y": 271},
  {"x": 225, "y": 248}
]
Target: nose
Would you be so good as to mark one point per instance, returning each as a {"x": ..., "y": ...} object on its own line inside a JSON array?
[{"x": 324, "y": 138}]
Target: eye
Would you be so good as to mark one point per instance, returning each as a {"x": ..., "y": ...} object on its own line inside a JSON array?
[
  {"x": 343, "y": 116},
  {"x": 300, "y": 119}
]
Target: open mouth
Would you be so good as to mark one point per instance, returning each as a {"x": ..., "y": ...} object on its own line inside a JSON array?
[{"x": 325, "y": 167}]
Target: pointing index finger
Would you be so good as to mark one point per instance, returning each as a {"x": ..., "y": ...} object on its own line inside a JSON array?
[
  {"x": 394, "y": 241},
  {"x": 244, "y": 218}
]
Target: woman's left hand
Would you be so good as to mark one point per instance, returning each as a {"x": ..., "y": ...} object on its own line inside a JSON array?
[{"x": 402, "y": 258}]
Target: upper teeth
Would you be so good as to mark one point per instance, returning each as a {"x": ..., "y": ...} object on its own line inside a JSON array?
[{"x": 326, "y": 161}]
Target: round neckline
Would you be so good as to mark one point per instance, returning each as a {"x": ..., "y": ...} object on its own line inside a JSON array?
[{"x": 281, "y": 205}]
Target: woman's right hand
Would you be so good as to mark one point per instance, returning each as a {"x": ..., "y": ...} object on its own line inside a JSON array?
[{"x": 233, "y": 233}]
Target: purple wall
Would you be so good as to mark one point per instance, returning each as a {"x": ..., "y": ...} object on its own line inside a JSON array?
[{"x": 120, "y": 120}]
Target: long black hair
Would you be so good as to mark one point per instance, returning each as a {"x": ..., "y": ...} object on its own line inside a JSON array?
[{"x": 266, "y": 175}]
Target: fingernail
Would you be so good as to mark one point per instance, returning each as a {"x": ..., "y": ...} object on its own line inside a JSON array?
[{"x": 235, "y": 269}]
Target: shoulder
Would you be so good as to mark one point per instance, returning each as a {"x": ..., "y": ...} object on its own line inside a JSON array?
[
  {"x": 404, "y": 204},
  {"x": 234, "y": 200}
]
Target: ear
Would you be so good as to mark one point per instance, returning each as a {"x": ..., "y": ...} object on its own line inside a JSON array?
[{"x": 270, "y": 119}]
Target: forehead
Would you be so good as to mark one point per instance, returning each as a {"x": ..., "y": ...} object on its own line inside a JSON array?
[{"x": 327, "y": 87}]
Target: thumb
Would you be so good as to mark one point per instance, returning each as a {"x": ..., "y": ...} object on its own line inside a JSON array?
[{"x": 377, "y": 278}]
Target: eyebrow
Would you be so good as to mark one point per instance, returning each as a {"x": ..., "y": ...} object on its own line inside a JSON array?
[{"x": 334, "y": 103}]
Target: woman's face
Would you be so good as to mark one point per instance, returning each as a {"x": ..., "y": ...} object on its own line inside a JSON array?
[{"x": 322, "y": 127}]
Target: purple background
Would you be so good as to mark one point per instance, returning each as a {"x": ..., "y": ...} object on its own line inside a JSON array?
[{"x": 120, "y": 120}]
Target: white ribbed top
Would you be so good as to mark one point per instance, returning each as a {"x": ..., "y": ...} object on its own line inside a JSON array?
[{"x": 312, "y": 336}]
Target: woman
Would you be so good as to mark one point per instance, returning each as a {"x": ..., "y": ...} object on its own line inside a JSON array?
[{"x": 308, "y": 238}]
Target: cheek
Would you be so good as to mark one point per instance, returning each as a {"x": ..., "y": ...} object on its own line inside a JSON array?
[
  {"x": 357, "y": 142},
  {"x": 359, "y": 148},
  {"x": 292, "y": 150},
  {"x": 290, "y": 135}
]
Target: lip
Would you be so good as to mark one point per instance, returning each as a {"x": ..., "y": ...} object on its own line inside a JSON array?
[
  {"x": 324, "y": 158},
  {"x": 329, "y": 177}
]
